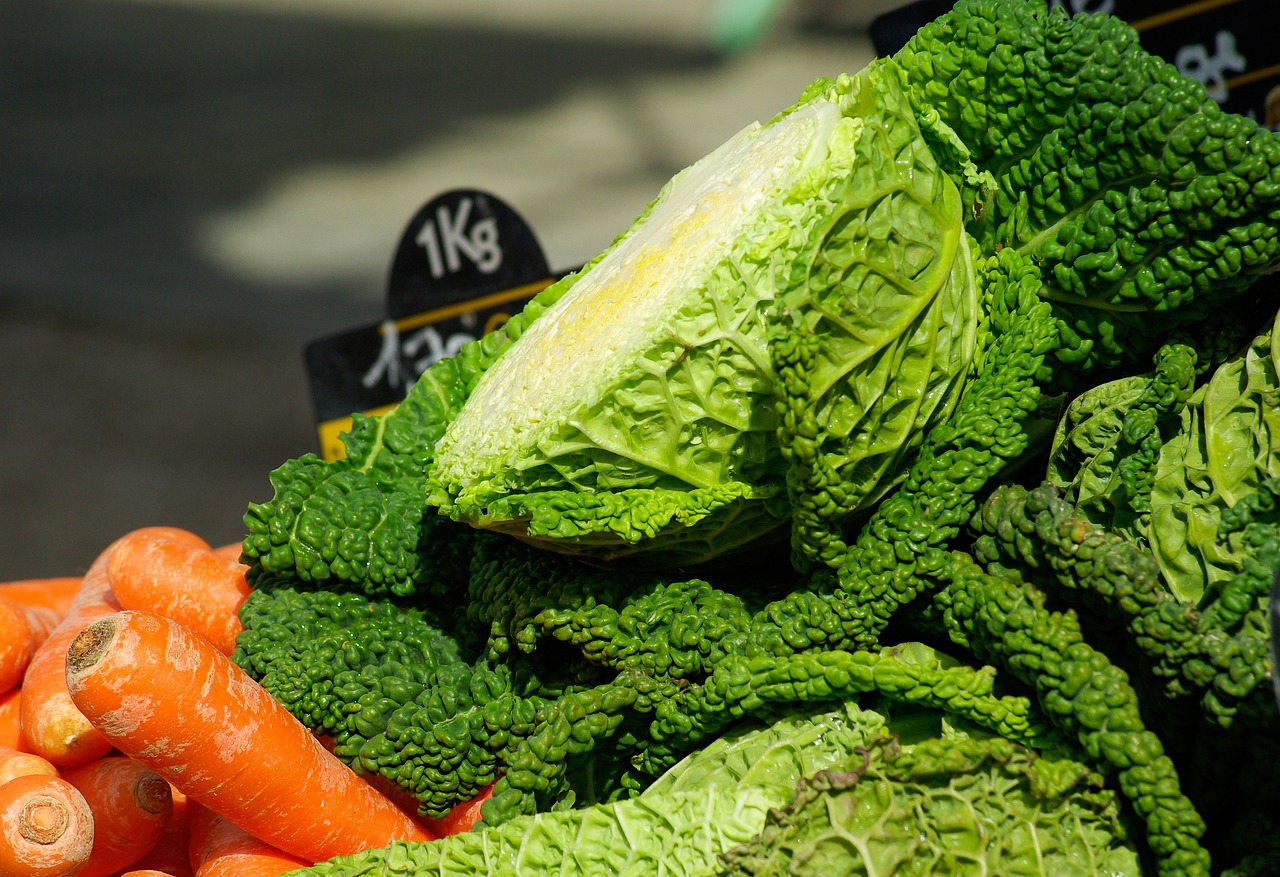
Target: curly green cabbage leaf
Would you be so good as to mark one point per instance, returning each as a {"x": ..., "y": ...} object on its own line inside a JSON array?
[
  {"x": 1144, "y": 202},
  {"x": 1105, "y": 446},
  {"x": 637, "y": 414}
]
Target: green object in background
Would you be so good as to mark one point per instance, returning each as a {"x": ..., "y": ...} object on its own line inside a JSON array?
[{"x": 739, "y": 24}]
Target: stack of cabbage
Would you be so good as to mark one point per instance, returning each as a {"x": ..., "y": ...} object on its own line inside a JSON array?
[{"x": 939, "y": 414}]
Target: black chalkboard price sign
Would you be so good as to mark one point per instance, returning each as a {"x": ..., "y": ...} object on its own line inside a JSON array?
[
  {"x": 461, "y": 244},
  {"x": 464, "y": 264}
]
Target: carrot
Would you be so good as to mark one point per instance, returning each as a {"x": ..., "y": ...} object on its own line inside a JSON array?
[
  {"x": 16, "y": 763},
  {"x": 462, "y": 817},
  {"x": 22, "y": 629},
  {"x": 170, "y": 855},
  {"x": 10, "y": 721},
  {"x": 55, "y": 593},
  {"x": 51, "y": 725},
  {"x": 220, "y": 847},
  {"x": 383, "y": 786},
  {"x": 230, "y": 551},
  {"x": 130, "y": 804},
  {"x": 165, "y": 696},
  {"x": 186, "y": 583},
  {"x": 46, "y": 829}
]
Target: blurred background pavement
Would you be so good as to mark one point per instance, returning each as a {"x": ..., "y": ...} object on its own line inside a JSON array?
[{"x": 191, "y": 190}]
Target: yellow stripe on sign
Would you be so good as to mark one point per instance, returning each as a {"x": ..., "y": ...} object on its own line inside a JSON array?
[
  {"x": 1253, "y": 76},
  {"x": 331, "y": 447},
  {"x": 473, "y": 304},
  {"x": 1184, "y": 11}
]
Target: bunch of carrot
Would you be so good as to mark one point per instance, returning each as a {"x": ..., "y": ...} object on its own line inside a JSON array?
[{"x": 131, "y": 744}]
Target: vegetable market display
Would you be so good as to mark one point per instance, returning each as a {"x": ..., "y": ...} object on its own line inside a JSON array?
[{"x": 898, "y": 495}]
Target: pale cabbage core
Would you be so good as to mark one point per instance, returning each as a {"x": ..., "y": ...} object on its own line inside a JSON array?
[{"x": 619, "y": 304}]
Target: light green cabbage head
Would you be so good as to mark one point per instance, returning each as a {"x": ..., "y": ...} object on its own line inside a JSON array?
[
  {"x": 638, "y": 412},
  {"x": 962, "y": 806}
]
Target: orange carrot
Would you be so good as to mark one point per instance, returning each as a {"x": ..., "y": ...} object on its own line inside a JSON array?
[
  {"x": 10, "y": 721},
  {"x": 165, "y": 696},
  {"x": 230, "y": 551},
  {"x": 183, "y": 582},
  {"x": 22, "y": 629},
  {"x": 55, "y": 593},
  {"x": 46, "y": 829},
  {"x": 170, "y": 855},
  {"x": 220, "y": 847},
  {"x": 51, "y": 725},
  {"x": 462, "y": 817},
  {"x": 383, "y": 786},
  {"x": 16, "y": 763},
  {"x": 130, "y": 804}
]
